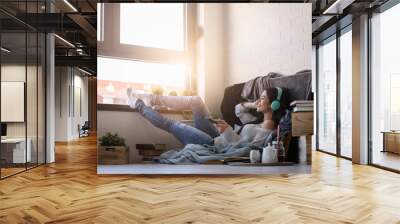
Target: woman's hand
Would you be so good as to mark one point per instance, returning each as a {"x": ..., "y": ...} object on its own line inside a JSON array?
[
  {"x": 221, "y": 125},
  {"x": 251, "y": 105}
]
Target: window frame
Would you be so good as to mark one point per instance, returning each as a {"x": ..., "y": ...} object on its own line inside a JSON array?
[
  {"x": 110, "y": 46},
  {"x": 371, "y": 14},
  {"x": 334, "y": 37}
]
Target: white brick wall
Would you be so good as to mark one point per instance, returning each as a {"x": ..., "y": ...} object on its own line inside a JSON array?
[{"x": 262, "y": 38}]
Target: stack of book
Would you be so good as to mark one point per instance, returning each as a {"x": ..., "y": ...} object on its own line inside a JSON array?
[{"x": 302, "y": 106}]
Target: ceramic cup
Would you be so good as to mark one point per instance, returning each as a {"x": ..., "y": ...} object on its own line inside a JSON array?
[
  {"x": 269, "y": 155},
  {"x": 255, "y": 156}
]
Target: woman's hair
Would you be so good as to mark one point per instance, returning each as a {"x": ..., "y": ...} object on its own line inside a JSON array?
[{"x": 272, "y": 94}]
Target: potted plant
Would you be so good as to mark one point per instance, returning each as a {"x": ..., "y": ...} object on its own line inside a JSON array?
[{"x": 113, "y": 150}]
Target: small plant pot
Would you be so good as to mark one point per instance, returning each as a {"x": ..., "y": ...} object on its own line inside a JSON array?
[{"x": 113, "y": 155}]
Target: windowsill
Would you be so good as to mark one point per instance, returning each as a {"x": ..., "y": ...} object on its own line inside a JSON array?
[{"x": 126, "y": 108}]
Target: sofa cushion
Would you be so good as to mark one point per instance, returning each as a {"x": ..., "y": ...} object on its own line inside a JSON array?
[
  {"x": 253, "y": 89},
  {"x": 298, "y": 85}
]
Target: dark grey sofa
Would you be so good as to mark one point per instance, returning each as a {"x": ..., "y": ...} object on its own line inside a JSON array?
[{"x": 298, "y": 85}]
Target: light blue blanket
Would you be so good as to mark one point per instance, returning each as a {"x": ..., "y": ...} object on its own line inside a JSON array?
[{"x": 193, "y": 153}]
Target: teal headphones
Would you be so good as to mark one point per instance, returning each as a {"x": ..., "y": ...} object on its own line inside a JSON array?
[{"x": 276, "y": 104}]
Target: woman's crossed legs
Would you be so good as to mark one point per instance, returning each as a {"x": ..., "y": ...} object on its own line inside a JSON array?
[{"x": 204, "y": 131}]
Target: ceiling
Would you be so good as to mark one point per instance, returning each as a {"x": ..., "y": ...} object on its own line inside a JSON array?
[
  {"x": 74, "y": 22},
  {"x": 331, "y": 15}
]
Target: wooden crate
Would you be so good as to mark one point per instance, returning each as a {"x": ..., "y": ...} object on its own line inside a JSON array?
[{"x": 115, "y": 155}]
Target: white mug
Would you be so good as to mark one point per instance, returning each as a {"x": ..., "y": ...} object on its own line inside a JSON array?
[
  {"x": 269, "y": 155},
  {"x": 255, "y": 156}
]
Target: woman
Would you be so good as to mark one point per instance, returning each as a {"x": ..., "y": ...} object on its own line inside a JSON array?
[{"x": 271, "y": 103}]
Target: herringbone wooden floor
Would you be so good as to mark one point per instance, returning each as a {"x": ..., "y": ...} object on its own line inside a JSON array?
[{"x": 70, "y": 191}]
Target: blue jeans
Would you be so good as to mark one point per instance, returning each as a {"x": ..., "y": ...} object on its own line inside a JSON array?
[{"x": 204, "y": 131}]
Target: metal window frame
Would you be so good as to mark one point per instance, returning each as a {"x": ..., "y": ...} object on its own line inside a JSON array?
[{"x": 334, "y": 37}]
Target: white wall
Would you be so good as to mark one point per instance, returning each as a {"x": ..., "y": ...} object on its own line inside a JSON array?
[
  {"x": 267, "y": 37},
  {"x": 211, "y": 55},
  {"x": 239, "y": 42},
  {"x": 68, "y": 82},
  {"x": 135, "y": 130},
  {"x": 61, "y": 103},
  {"x": 80, "y": 83}
]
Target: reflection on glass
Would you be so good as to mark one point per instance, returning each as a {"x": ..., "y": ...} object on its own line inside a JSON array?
[
  {"x": 385, "y": 86},
  {"x": 346, "y": 94},
  {"x": 142, "y": 76},
  {"x": 13, "y": 85},
  {"x": 327, "y": 97},
  {"x": 152, "y": 25}
]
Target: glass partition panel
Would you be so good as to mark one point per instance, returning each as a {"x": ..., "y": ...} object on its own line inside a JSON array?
[
  {"x": 14, "y": 154},
  {"x": 22, "y": 88},
  {"x": 327, "y": 96}
]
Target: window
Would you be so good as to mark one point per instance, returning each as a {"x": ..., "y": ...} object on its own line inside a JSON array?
[
  {"x": 327, "y": 96},
  {"x": 385, "y": 87},
  {"x": 139, "y": 75},
  {"x": 335, "y": 94},
  {"x": 152, "y": 25},
  {"x": 145, "y": 46}
]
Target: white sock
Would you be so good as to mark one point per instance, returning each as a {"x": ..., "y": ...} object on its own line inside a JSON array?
[{"x": 133, "y": 97}]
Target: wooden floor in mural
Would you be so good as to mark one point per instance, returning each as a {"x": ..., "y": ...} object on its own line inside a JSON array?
[{"x": 70, "y": 191}]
